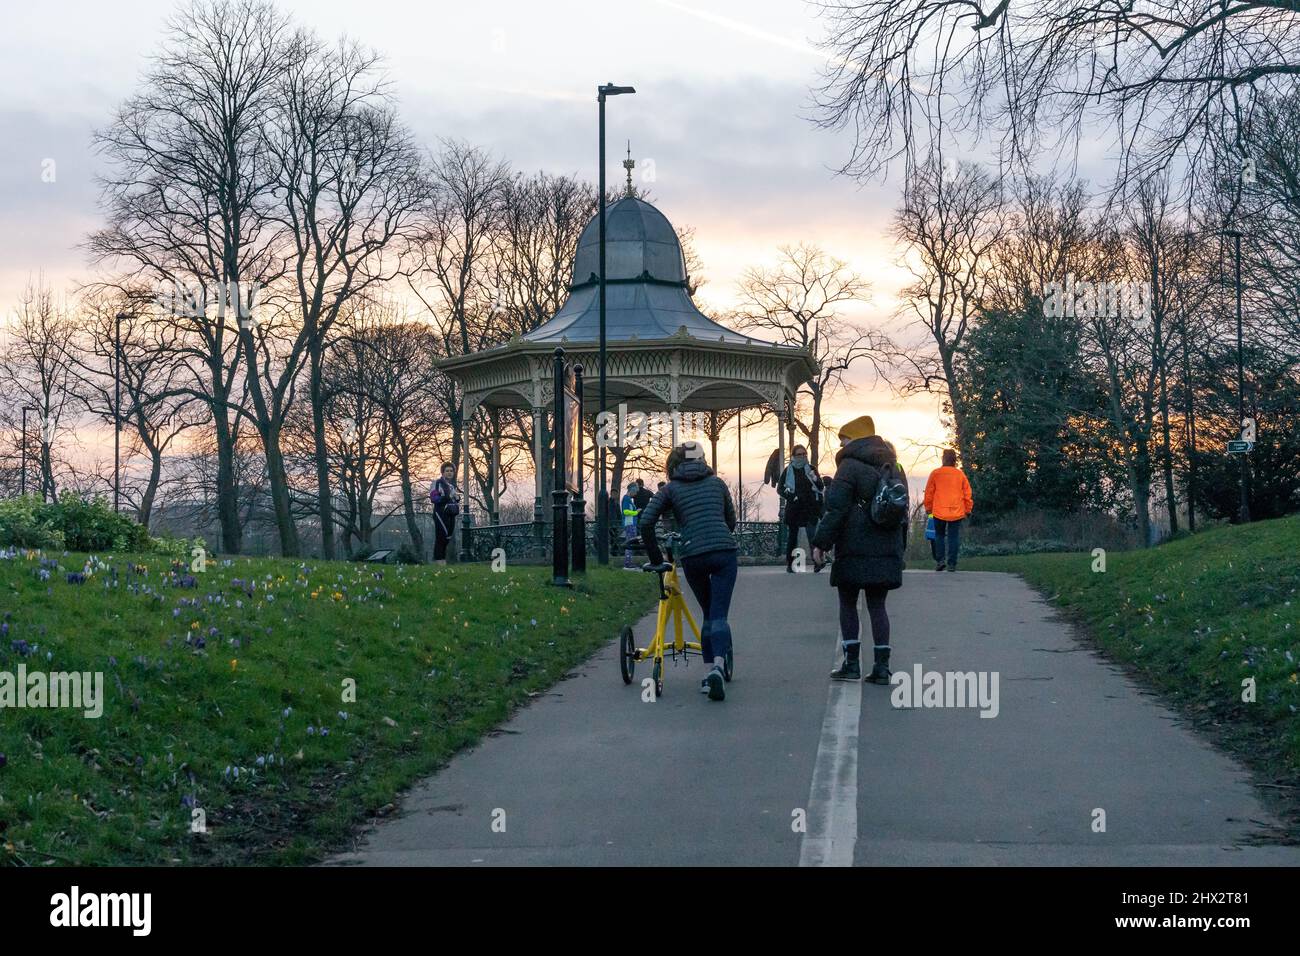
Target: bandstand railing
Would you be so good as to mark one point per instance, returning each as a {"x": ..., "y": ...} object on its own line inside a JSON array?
[{"x": 529, "y": 542}]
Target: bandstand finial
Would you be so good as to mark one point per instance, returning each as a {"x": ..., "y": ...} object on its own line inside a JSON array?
[{"x": 629, "y": 164}]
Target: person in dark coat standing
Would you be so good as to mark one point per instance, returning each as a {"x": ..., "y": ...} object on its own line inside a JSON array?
[
  {"x": 642, "y": 496},
  {"x": 868, "y": 557},
  {"x": 801, "y": 488},
  {"x": 700, "y": 503}
]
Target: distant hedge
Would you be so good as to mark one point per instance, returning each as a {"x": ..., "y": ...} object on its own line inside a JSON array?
[{"x": 72, "y": 523}]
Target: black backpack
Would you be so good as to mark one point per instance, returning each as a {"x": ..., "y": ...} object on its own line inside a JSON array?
[{"x": 889, "y": 508}]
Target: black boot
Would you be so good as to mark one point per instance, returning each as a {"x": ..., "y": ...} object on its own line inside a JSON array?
[
  {"x": 850, "y": 668},
  {"x": 880, "y": 669}
]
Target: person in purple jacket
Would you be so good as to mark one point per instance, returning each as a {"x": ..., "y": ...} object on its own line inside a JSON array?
[{"x": 446, "y": 506}]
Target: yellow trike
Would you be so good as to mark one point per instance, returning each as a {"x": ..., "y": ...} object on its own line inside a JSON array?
[{"x": 672, "y": 607}]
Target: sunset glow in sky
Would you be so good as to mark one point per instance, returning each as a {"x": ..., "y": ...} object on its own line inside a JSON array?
[{"x": 720, "y": 121}]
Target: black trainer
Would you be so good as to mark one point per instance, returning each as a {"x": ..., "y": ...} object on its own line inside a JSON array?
[
  {"x": 939, "y": 566},
  {"x": 716, "y": 682}
]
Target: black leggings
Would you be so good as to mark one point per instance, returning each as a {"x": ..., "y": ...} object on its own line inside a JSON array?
[
  {"x": 792, "y": 539},
  {"x": 442, "y": 532},
  {"x": 849, "y": 630}
]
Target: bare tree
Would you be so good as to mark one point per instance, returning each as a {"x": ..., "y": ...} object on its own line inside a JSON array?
[
  {"x": 35, "y": 363},
  {"x": 351, "y": 181},
  {"x": 135, "y": 355},
  {"x": 1165, "y": 76},
  {"x": 801, "y": 300},
  {"x": 391, "y": 361},
  {"x": 950, "y": 227},
  {"x": 454, "y": 277},
  {"x": 187, "y": 198},
  {"x": 542, "y": 217}
]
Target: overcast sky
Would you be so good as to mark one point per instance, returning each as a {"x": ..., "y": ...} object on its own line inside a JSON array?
[{"x": 720, "y": 115}]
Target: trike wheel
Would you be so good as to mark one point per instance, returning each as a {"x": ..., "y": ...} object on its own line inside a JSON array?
[
  {"x": 627, "y": 654},
  {"x": 728, "y": 665},
  {"x": 658, "y": 674}
]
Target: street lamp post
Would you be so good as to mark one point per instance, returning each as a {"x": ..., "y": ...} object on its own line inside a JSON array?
[
  {"x": 578, "y": 550},
  {"x": 1243, "y": 476},
  {"x": 602, "y": 493}
]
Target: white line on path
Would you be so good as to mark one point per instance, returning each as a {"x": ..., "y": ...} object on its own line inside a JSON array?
[{"x": 833, "y": 800}]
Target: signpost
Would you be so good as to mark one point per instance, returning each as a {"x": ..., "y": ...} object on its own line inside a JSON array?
[
  {"x": 578, "y": 519},
  {"x": 1240, "y": 447}
]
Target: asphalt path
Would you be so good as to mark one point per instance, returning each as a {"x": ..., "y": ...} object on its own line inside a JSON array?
[{"x": 1079, "y": 766}]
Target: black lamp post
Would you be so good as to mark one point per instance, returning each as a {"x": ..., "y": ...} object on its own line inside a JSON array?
[
  {"x": 1243, "y": 476},
  {"x": 602, "y": 493},
  {"x": 578, "y": 555}
]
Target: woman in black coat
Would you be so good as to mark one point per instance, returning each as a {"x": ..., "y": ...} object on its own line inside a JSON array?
[{"x": 868, "y": 557}]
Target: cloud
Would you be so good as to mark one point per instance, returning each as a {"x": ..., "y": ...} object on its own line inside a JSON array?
[{"x": 47, "y": 197}]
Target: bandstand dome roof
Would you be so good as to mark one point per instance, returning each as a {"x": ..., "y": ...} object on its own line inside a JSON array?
[
  {"x": 646, "y": 295},
  {"x": 639, "y": 241},
  {"x": 663, "y": 352}
]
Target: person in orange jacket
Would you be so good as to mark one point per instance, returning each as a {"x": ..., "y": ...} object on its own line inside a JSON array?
[{"x": 948, "y": 499}]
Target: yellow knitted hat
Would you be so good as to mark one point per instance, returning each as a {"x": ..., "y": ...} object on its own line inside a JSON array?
[{"x": 861, "y": 427}]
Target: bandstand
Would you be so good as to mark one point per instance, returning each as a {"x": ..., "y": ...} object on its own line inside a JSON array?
[{"x": 662, "y": 355}]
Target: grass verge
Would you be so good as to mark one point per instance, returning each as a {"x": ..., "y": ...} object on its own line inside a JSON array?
[{"x": 227, "y": 695}]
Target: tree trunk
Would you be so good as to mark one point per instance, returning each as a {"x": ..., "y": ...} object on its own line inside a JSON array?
[
  {"x": 408, "y": 507},
  {"x": 268, "y": 427},
  {"x": 48, "y": 490},
  {"x": 1140, "y": 486},
  {"x": 957, "y": 405},
  {"x": 1189, "y": 431},
  {"x": 1170, "y": 500},
  {"x": 279, "y": 480},
  {"x": 365, "y": 505},
  {"x": 618, "y": 457},
  {"x": 144, "y": 513},
  {"x": 324, "y": 496},
  {"x": 232, "y": 529},
  {"x": 814, "y": 433}
]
